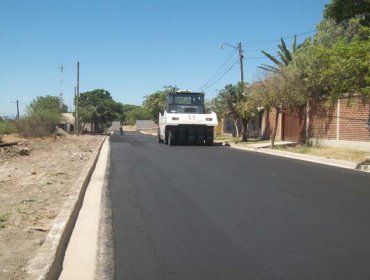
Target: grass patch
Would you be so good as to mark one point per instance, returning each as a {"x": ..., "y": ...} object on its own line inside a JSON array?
[
  {"x": 328, "y": 152},
  {"x": 7, "y": 127},
  {"x": 3, "y": 218},
  {"x": 231, "y": 139}
]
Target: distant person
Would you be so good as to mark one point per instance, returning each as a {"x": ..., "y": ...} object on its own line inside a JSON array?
[{"x": 120, "y": 130}]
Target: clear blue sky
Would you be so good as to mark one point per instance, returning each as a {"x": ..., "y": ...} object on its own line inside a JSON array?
[{"x": 133, "y": 48}]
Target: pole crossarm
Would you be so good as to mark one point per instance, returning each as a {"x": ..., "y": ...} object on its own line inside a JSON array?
[{"x": 241, "y": 56}]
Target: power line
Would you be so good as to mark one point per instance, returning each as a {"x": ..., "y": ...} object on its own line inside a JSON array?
[
  {"x": 209, "y": 82},
  {"x": 222, "y": 66},
  {"x": 219, "y": 78},
  {"x": 260, "y": 57},
  {"x": 265, "y": 42}
]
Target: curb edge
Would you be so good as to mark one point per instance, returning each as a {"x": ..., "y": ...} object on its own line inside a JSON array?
[{"x": 48, "y": 262}]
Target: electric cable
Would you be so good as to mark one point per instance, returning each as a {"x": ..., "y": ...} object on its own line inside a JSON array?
[{"x": 219, "y": 78}]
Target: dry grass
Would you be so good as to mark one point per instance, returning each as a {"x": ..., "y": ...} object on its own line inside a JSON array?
[{"x": 329, "y": 152}]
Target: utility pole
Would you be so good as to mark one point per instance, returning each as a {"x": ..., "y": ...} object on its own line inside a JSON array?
[
  {"x": 239, "y": 48},
  {"x": 241, "y": 56},
  {"x": 17, "y": 110},
  {"x": 78, "y": 95},
  {"x": 16, "y": 102},
  {"x": 76, "y": 114},
  {"x": 61, "y": 88}
]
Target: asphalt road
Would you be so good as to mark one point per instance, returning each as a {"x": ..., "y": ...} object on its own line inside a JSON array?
[{"x": 217, "y": 213}]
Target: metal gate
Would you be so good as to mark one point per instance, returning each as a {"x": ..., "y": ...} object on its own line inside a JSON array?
[{"x": 294, "y": 120}]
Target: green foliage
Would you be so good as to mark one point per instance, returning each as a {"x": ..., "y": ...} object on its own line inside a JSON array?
[
  {"x": 227, "y": 100},
  {"x": 235, "y": 101},
  {"x": 336, "y": 61},
  {"x": 7, "y": 127},
  {"x": 343, "y": 10},
  {"x": 155, "y": 102},
  {"x": 248, "y": 108},
  {"x": 126, "y": 108},
  {"x": 48, "y": 102},
  {"x": 138, "y": 113},
  {"x": 286, "y": 56},
  {"x": 282, "y": 90},
  {"x": 43, "y": 114},
  {"x": 3, "y": 218},
  {"x": 99, "y": 108},
  {"x": 348, "y": 69}
]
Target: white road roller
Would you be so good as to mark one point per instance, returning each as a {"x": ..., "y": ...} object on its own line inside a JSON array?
[{"x": 184, "y": 120}]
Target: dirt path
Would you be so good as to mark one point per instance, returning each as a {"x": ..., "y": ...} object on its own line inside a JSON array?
[{"x": 33, "y": 188}]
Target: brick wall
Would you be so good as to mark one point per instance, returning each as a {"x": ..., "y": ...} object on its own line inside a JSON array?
[
  {"x": 325, "y": 123},
  {"x": 350, "y": 126},
  {"x": 269, "y": 123},
  {"x": 323, "y": 120},
  {"x": 353, "y": 118}
]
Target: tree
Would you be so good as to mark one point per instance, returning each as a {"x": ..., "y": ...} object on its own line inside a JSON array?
[
  {"x": 43, "y": 114},
  {"x": 286, "y": 56},
  {"x": 247, "y": 111},
  {"x": 47, "y": 102},
  {"x": 336, "y": 60},
  {"x": 280, "y": 91},
  {"x": 126, "y": 109},
  {"x": 344, "y": 10},
  {"x": 98, "y": 108},
  {"x": 138, "y": 113},
  {"x": 233, "y": 101},
  {"x": 155, "y": 102}
]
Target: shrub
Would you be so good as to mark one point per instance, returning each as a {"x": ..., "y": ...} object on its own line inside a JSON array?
[
  {"x": 7, "y": 127},
  {"x": 40, "y": 123},
  {"x": 43, "y": 114}
]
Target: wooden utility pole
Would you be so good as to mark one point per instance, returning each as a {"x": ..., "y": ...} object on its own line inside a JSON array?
[
  {"x": 75, "y": 104},
  {"x": 241, "y": 56},
  {"x": 17, "y": 110},
  {"x": 77, "y": 97}
]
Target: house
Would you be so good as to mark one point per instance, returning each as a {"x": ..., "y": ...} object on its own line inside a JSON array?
[{"x": 67, "y": 123}]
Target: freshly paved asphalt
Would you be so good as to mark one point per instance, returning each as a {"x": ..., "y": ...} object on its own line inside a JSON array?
[{"x": 217, "y": 213}]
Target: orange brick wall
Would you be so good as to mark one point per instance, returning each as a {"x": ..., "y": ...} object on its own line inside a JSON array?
[
  {"x": 353, "y": 118},
  {"x": 323, "y": 120},
  {"x": 269, "y": 117}
]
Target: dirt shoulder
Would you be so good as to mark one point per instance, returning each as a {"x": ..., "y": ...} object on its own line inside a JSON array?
[{"x": 36, "y": 179}]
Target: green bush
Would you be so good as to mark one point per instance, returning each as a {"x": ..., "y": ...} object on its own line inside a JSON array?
[
  {"x": 39, "y": 123},
  {"x": 7, "y": 127},
  {"x": 43, "y": 114}
]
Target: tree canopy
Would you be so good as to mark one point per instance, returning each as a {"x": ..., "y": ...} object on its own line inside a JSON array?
[
  {"x": 43, "y": 114},
  {"x": 336, "y": 60},
  {"x": 98, "y": 108},
  {"x": 343, "y": 10},
  {"x": 236, "y": 102},
  {"x": 131, "y": 113},
  {"x": 155, "y": 102}
]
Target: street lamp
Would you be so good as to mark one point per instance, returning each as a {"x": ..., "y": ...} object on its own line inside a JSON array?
[{"x": 241, "y": 56}]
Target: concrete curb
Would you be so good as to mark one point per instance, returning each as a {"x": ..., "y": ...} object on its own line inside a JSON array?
[
  {"x": 309, "y": 158},
  {"x": 49, "y": 260},
  {"x": 315, "y": 159}
]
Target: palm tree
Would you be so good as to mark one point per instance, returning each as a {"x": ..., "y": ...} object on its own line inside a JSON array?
[{"x": 284, "y": 54}]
